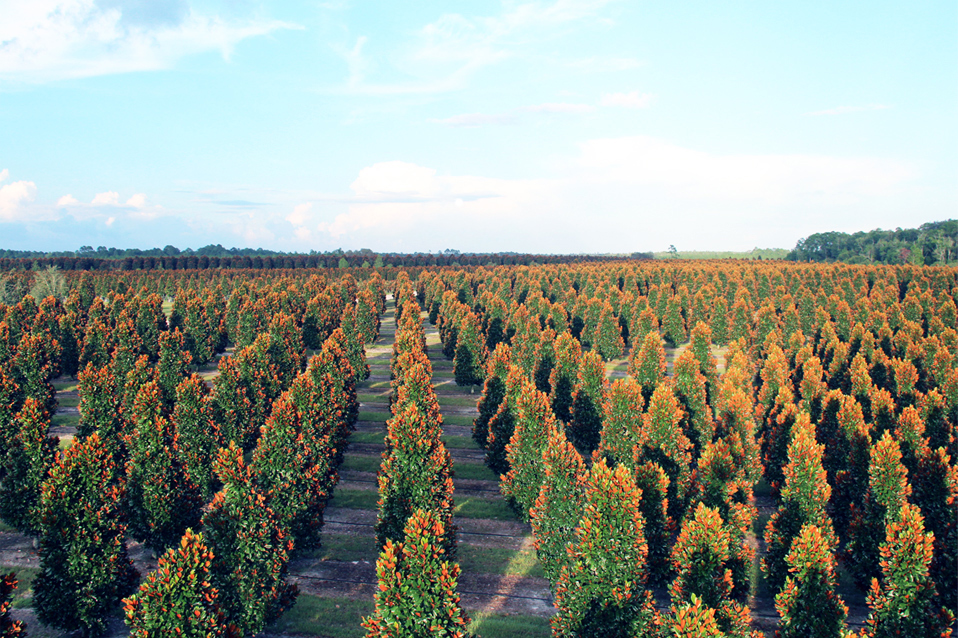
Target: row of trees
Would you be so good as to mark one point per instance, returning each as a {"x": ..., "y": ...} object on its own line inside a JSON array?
[
  {"x": 416, "y": 569},
  {"x": 698, "y": 443},
  {"x": 89, "y": 260},
  {"x": 162, "y": 455}
]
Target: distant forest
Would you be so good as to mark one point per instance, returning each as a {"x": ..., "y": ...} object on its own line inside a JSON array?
[
  {"x": 934, "y": 243},
  {"x": 215, "y": 256}
]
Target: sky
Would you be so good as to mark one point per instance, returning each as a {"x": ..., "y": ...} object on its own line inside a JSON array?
[{"x": 565, "y": 126}]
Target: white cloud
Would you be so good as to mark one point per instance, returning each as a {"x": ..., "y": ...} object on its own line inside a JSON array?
[
  {"x": 689, "y": 173},
  {"x": 650, "y": 191},
  {"x": 109, "y": 221},
  {"x": 449, "y": 50},
  {"x": 67, "y": 200},
  {"x": 300, "y": 214},
  {"x": 137, "y": 201},
  {"x": 395, "y": 196},
  {"x": 632, "y": 100},
  {"x": 841, "y": 110},
  {"x": 4, "y": 175},
  {"x": 13, "y": 200},
  {"x": 45, "y": 40},
  {"x": 109, "y": 198}
]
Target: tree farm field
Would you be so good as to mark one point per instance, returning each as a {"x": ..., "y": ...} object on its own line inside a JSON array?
[{"x": 606, "y": 447}]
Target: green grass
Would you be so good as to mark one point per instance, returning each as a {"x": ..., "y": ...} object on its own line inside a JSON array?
[
  {"x": 489, "y": 626},
  {"x": 476, "y": 471},
  {"x": 355, "y": 499},
  {"x": 23, "y": 596},
  {"x": 459, "y": 442},
  {"x": 334, "y": 617},
  {"x": 755, "y": 253},
  {"x": 367, "y": 437},
  {"x": 379, "y": 397},
  {"x": 348, "y": 547},
  {"x": 472, "y": 507},
  {"x": 358, "y": 463},
  {"x": 68, "y": 402},
  {"x": 65, "y": 386},
  {"x": 497, "y": 560},
  {"x": 468, "y": 401},
  {"x": 378, "y": 417},
  {"x": 65, "y": 420},
  {"x": 6, "y": 528},
  {"x": 65, "y": 442}
]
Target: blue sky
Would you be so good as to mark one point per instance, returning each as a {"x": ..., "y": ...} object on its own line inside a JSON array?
[{"x": 555, "y": 126}]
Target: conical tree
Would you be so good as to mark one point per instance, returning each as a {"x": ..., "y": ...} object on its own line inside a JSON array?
[
  {"x": 601, "y": 590},
  {"x": 177, "y": 598},
  {"x": 493, "y": 393},
  {"x": 563, "y": 378},
  {"x": 586, "y": 427},
  {"x": 416, "y": 473},
  {"x": 904, "y": 602},
  {"x": 291, "y": 473},
  {"x": 198, "y": 433},
  {"x": 250, "y": 549},
  {"x": 417, "y": 585},
  {"x": 664, "y": 443},
  {"x": 702, "y": 559},
  {"x": 470, "y": 352},
  {"x": 29, "y": 457},
  {"x": 647, "y": 365},
  {"x": 607, "y": 341},
  {"x": 81, "y": 516},
  {"x": 888, "y": 491},
  {"x": 163, "y": 500},
  {"x": 621, "y": 421},
  {"x": 559, "y": 505},
  {"x": 534, "y": 419},
  {"x": 808, "y": 604},
  {"x": 804, "y": 500}
]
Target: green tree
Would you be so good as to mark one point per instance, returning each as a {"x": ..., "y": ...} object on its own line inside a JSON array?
[
  {"x": 904, "y": 602},
  {"x": 163, "y": 500},
  {"x": 250, "y": 549},
  {"x": 808, "y": 604},
  {"x": 177, "y": 598},
  {"x": 805, "y": 498},
  {"x": 29, "y": 457},
  {"x": 559, "y": 505},
  {"x": 417, "y": 585},
  {"x": 81, "y": 516},
  {"x": 533, "y": 420},
  {"x": 601, "y": 589},
  {"x": 416, "y": 473}
]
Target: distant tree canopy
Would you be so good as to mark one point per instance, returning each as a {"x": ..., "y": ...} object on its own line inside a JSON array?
[
  {"x": 172, "y": 258},
  {"x": 931, "y": 243}
]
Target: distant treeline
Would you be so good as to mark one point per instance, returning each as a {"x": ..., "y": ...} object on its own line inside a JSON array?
[
  {"x": 929, "y": 244},
  {"x": 171, "y": 258}
]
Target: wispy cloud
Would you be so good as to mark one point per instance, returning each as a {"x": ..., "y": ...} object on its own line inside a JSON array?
[
  {"x": 45, "y": 40},
  {"x": 447, "y": 52},
  {"x": 841, "y": 110},
  {"x": 632, "y": 100}
]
